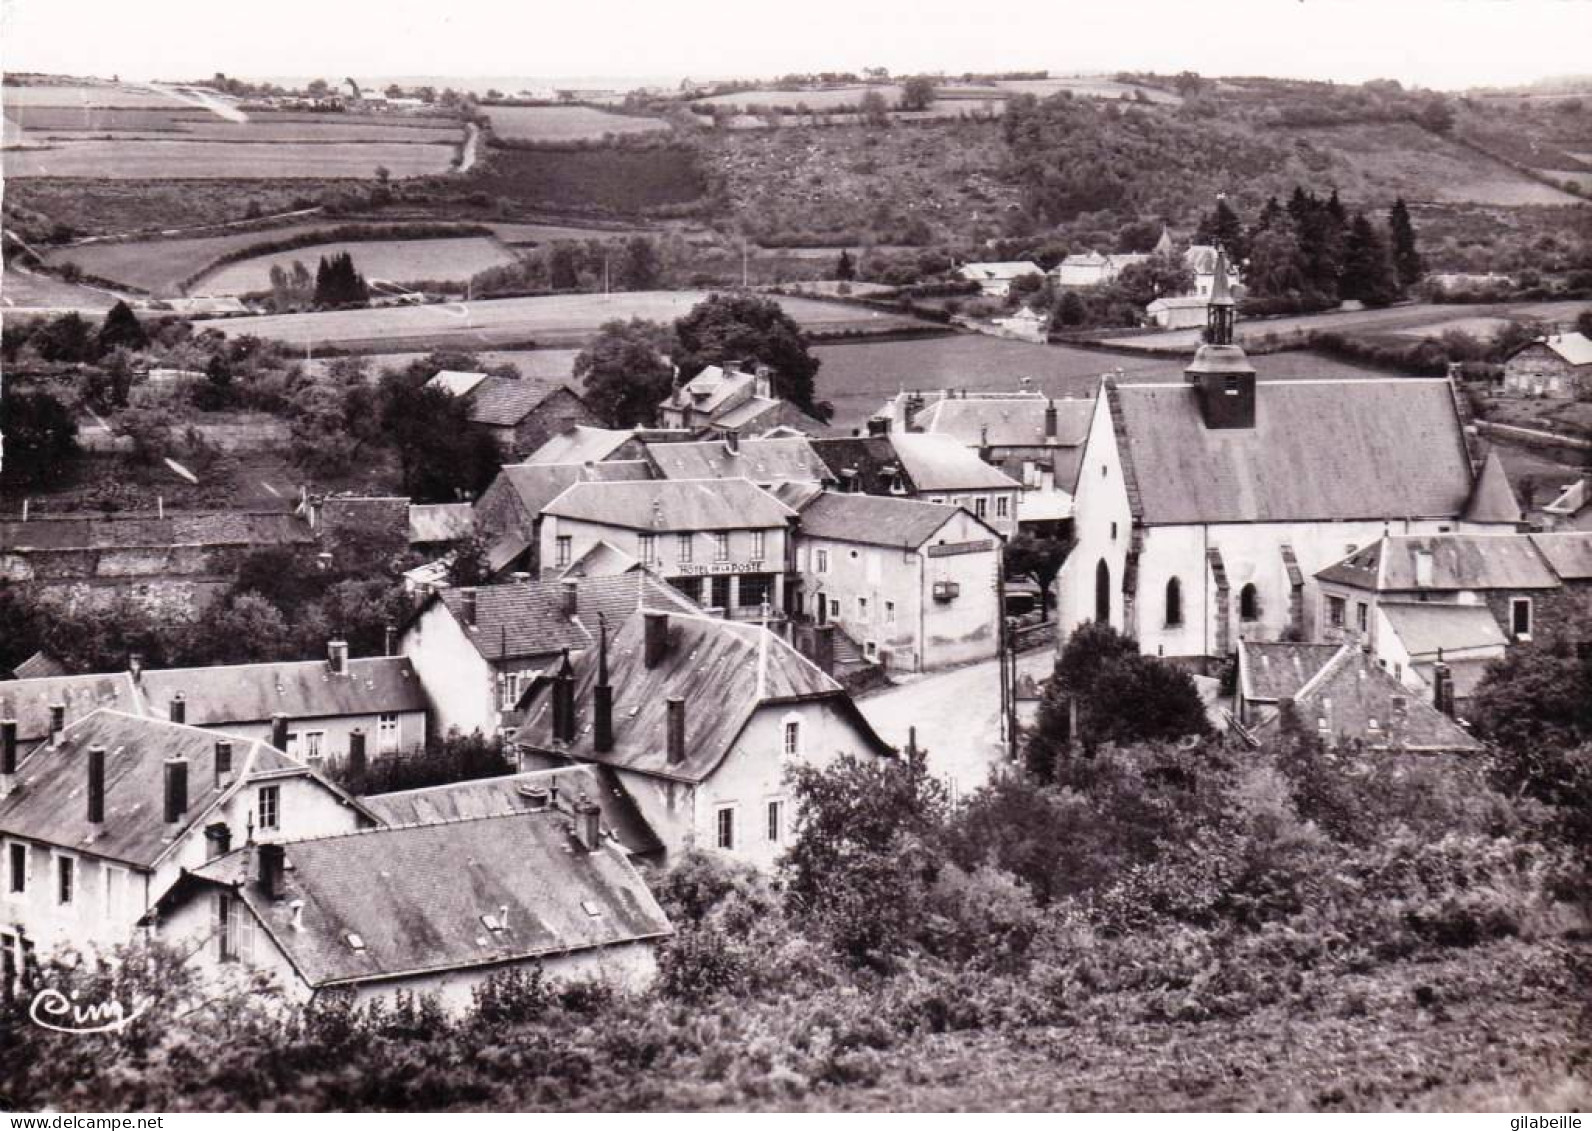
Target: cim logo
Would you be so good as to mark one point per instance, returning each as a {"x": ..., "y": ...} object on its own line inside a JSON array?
[{"x": 62, "y": 1013}]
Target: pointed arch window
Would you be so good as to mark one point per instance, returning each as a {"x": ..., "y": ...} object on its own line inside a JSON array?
[
  {"x": 1103, "y": 593},
  {"x": 1174, "y": 603},
  {"x": 1249, "y": 603}
]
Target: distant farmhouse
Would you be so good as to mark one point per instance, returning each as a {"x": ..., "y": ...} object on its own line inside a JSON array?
[
  {"x": 1559, "y": 365},
  {"x": 730, "y": 398},
  {"x": 522, "y": 415},
  {"x": 995, "y": 279}
]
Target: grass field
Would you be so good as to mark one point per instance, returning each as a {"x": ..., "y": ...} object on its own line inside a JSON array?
[
  {"x": 565, "y": 123},
  {"x": 1084, "y": 88},
  {"x": 556, "y": 320},
  {"x": 547, "y": 365},
  {"x": 548, "y": 233},
  {"x": 394, "y": 261},
  {"x": 25, "y": 290},
  {"x": 106, "y": 96},
  {"x": 622, "y": 181},
  {"x": 160, "y": 265},
  {"x": 150, "y": 159}
]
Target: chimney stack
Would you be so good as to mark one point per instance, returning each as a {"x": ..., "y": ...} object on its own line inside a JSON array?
[
  {"x": 218, "y": 840},
  {"x": 176, "y": 790},
  {"x": 602, "y": 737},
  {"x": 279, "y": 731},
  {"x": 823, "y": 656},
  {"x": 337, "y": 656},
  {"x": 588, "y": 824},
  {"x": 223, "y": 760},
  {"x": 655, "y": 637},
  {"x": 467, "y": 598},
  {"x": 358, "y": 760},
  {"x": 676, "y": 750},
  {"x": 179, "y": 709},
  {"x": 564, "y": 701},
  {"x": 389, "y": 643},
  {"x": 1051, "y": 425},
  {"x": 8, "y": 756},
  {"x": 732, "y": 441},
  {"x": 569, "y": 595},
  {"x": 135, "y": 668},
  {"x": 96, "y": 790},
  {"x": 57, "y": 723},
  {"x": 271, "y": 860},
  {"x": 1443, "y": 686}
]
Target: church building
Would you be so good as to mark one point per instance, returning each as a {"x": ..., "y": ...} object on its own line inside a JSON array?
[{"x": 1204, "y": 508}]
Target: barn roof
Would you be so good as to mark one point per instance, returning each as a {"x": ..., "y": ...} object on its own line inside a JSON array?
[
  {"x": 582, "y": 444},
  {"x": 441, "y": 522},
  {"x": 538, "y": 484},
  {"x": 502, "y": 402}
]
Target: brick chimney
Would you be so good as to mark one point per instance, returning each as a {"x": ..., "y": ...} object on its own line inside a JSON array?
[
  {"x": 8, "y": 756},
  {"x": 223, "y": 761},
  {"x": 176, "y": 790},
  {"x": 179, "y": 709},
  {"x": 602, "y": 734},
  {"x": 588, "y": 824},
  {"x": 279, "y": 731},
  {"x": 337, "y": 656},
  {"x": 1052, "y": 428},
  {"x": 676, "y": 730},
  {"x": 467, "y": 600},
  {"x": 569, "y": 595},
  {"x": 564, "y": 701},
  {"x": 389, "y": 643},
  {"x": 135, "y": 668},
  {"x": 732, "y": 441},
  {"x": 358, "y": 761},
  {"x": 270, "y": 863},
  {"x": 655, "y": 637},
  {"x": 218, "y": 840},
  {"x": 1443, "y": 686},
  {"x": 57, "y": 723},
  {"x": 96, "y": 791}
]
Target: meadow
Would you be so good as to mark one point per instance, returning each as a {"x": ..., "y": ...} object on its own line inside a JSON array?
[
  {"x": 565, "y": 123},
  {"x": 394, "y": 261},
  {"x": 562, "y": 320},
  {"x": 108, "y": 96},
  {"x": 161, "y": 159},
  {"x": 619, "y": 181},
  {"x": 24, "y": 290}
]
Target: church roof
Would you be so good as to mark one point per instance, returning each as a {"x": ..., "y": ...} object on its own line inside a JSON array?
[
  {"x": 1323, "y": 450},
  {"x": 1492, "y": 499}
]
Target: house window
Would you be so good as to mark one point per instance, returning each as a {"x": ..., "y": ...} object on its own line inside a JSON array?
[
  {"x": 562, "y": 546},
  {"x": 793, "y": 737},
  {"x": 387, "y": 733},
  {"x": 862, "y": 608},
  {"x": 1102, "y": 593},
  {"x": 1113, "y": 532},
  {"x": 1362, "y": 615},
  {"x": 234, "y": 928},
  {"x": 1249, "y": 603},
  {"x": 1520, "y": 617},
  {"x": 981, "y": 508},
  {"x": 834, "y": 606},
  {"x": 1174, "y": 603},
  {"x": 65, "y": 880},
  {"x": 1002, "y": 506},
  {"x": 1337, "y": 609},
  {"x": 314, "y": 745},
  {"x": 115, "y": 892},
  {"x": 725, "y": 827},
  {"x": 889, "y": 612},
  {"x": 513, "y": 686},
  {"x": 721, "y": 547},
  {"x": 649, "y": 549},
  {"x": 270, "y": 806},
  {"x": 682, "y": 549},
  {"x": 759, "y": 544},
  {"x": 820, "y": 561},
  {"x": 776, "y": 821},
  {"x": 17, "y": 868}
]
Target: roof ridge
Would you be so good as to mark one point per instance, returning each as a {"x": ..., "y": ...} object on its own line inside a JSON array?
[
  {"x": 372, "y": 830},
  {"x": 1311, "y": 685}
]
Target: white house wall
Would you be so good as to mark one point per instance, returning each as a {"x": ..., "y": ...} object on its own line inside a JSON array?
[{"x": 459, "y": 683}]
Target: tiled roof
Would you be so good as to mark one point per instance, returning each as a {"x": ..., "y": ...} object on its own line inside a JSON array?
[
  {"x": 1492, "y": 499},
  {"x": 1569, "y": 555},
  {"x": 502, "y": 402},
  {"x": 1392, "y": 564},
  {"x": 757, "y": 413},
  {"x": 386, "y": 512},
  {"x": 50, "y": 803},
  {"x": 1274, "y": 671},
  {"x": 527, "y": 619},
  {"x": 28, "y": 700},
  {"x": 711, "y": 389},
  {"x": 415, "y": 895},
  {"x": 1014, "y": 421},
  {"x": 455, "y": 381},
  {"x": 1319, "y": 450},
  {"x": 441, "y": 522},
  {"x": 670, "y": 505},
  {"x": 601, "y": 559},
  {"x": 760, "y": 461},
  {"x": 1424, "y": 627},
  {"x": 538, "y": 484},
  {"x": 584, "y": 444},
  {"x": 1573, "y": 348},
  {"x": 300, "y": 689},
  {"x": 510, "y": 794},
  {"x": 942, "y": 463},
  {"x": 1351, "y": 692},
  {"x": 874, "y": 520},
  {"x": 220, "y": 528},
  {"x": 724, "y": 670},
  {"x": 40, "y": 665},
  {"x": 872, "y": 458}
]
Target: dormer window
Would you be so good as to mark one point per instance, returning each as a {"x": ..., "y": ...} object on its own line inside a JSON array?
[{"x": 355, "y": 942}]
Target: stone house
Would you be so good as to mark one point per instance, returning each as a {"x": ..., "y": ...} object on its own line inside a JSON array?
[
  {"x": 995, "y": 279},
  {"x": 509, "y": 512},
  {"x": 730, "y": 398},
  {"x": 521, "y": 414},
  {"x": 1559, "y": 365},
  {"x": 930, "y": 467}
]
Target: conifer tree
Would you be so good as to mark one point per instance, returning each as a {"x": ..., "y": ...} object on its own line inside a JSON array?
[{"x": 1406, "y": 256}]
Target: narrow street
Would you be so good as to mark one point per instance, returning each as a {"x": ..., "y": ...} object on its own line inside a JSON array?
[{"x": 957, "y": 716}]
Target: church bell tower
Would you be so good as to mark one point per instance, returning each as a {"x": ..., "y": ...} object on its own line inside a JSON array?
[{"x": 1220, "y": 370}]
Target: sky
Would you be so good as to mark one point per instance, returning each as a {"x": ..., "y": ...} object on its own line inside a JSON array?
[{"x": 1445, "y": 44}]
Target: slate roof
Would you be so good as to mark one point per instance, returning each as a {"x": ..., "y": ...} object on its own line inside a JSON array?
[
  {"x": 28, "y": 700},
  {"x": 874, "y": 520},
  {"x": 711, "y": 389},
  {"x": 1569, "y": 555},
  {"x": 1016, "y": 420},
  {"x": 1424, "y": 627},
  {"x": 510, "y": 794},
  {"x": 299, "y": 689},
  {"x": 502, "y": 402},
  {"x": 414, "y": 895},
  {"x": 538, "y": 484},
  {"x": 937, "y": 462},
  {"x": 584, "y": 444},
  {"x": 387, "y": 512},
  {"x": 526, "y": 618},
  {"x": 455, "y": 381},
  {"x": 670, "y": 505},
  {"x": 40, "y": 665},
  {"x": 1002, "y": 270},
  {"x": 601, "y": 559},
  {"x": 50, "y": 803},
  {"x": 218, "y": 528},
  {"x": 1351, "y": 692},
  {"x": 872, "y": 458},
  {"x": 1573, "y": 348},
  {"x": 765, "y": 413},
  {"x": 1492, "y": 499},
  {"x": 441, "y": 522},
  {"x": 760, "y": 461},
  {"x": 1458, "y": 561},
  {"x": 1320, "y": 450},
  {"x": 724, "y": 670},
  {"x": 1275, "y": 671}
]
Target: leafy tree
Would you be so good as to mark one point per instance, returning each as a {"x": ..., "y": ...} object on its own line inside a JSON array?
[
  {"x": 639, "y": 269},
  {"x": 121, "y": 328},
  {"x": 1221, "y": 227},
  {"x": 917, "y": 93},
  {"x": 22, "y": 627},
  {"x": 40, "y": 438},
  {"x": 623, "y": 373},
  {"x": 1276, "y": 263},
  {"x": 752, "y": 328},
  {"x": 875, "y": 110},
  {"x": 845, "y": 269},
  {"x": 1437, "y": 115},
  {"x": 1037, "y": 557},
  {"x": 67, "y": 337},
  {"x": 338, "y": 283},
  {"x": 468, "y": 565},
  {"x": 1406, "y": 257},
  {"x": 149, "y": 427},
  {"x": 563, "y": 267},
  {"x": 441, "y": 454},
  {"x": 1583, "y": 322},
  {"x": 1156, "y": 277},
  {"x": 1539, "y": 695}
]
